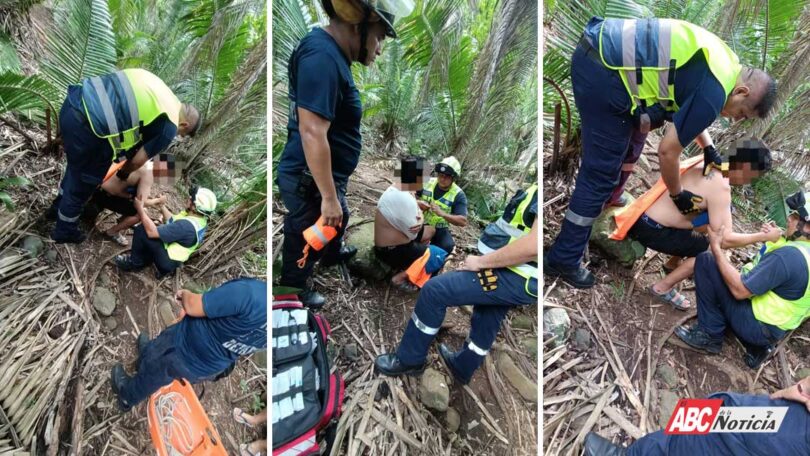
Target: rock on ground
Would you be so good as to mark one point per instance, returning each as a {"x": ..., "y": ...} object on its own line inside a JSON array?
[
  {"x": 365, "y": 263},
  {"x": 668, "y": 375},
  {"x": 626, "y": 251},
  {"x": 667, "y": 401},
  {"x": 582, "y": 338},
  {"x": 433, "y": 390},
  {"x": 522, "y": 322},
  {"x": 452, "y": 419},
  {"x": 350, "y": 352},
  {"x": 802, "y": 373},
  {"x": 556, "y": 323},
  {"x": 507, "y": 367},
  {"x": 104, "y": 301},
  {"x": 33, "y": 245},
  {"x": 530, "y": 345},
  {"x": 110, "y": 323},
  {"x": 166, "y": 313}
]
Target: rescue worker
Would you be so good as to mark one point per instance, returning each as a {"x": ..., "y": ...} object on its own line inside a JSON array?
[
  {"x": 761, "y": 303},
  {"x": 323, "y": 130},
  {"x": 129, "y": 113},
  {"x": 790, "y": 440},
  {"x": 215, "y": 330},
  {"x": 444, "y": 203},
  {"x": 678, "y": 72},
  {"x": 504, "y": 277},
  {"x": 168, "y": 246}
]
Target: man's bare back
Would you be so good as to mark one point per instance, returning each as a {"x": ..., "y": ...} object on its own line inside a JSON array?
[{"x": 716, "y": 193}]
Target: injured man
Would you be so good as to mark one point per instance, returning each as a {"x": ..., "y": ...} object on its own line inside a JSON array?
[{"x": 398, "y": 232}]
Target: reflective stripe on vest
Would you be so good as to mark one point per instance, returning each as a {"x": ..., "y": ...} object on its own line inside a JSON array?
[
  {"x": 770, "y": 307},
  {"x": 178, "y": 252},
  {"x": 646, "y": 52},
  {"x": 515, "y": 227},
  {"x": 445, "y": 203},
  {"x": 119, "y": 104}
]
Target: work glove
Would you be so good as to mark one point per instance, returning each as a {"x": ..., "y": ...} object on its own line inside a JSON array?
[
  {"x": 687, "y": 202},
  {"x": 712, "y": 160}
]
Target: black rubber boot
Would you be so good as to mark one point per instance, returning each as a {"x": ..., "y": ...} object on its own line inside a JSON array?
[
  {"x": 345, "y": 254},
  {"x": 696, "y": 338},
  {"x": 756, "y": 355},
  {"x": 577, "y": 278},
  {"x": 142, "y": 341},
  {"x": 389, "y": 364},
  {"x": 596, "y": 445},
  {"x": 312, "y": 299},
  {"x": 117, "y": 379},
  {"x": 449, "y": 357},
  {"x": 125, "y": 263}
]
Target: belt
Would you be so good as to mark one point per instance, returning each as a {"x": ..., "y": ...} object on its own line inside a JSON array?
[{"x": 652, "y": 223}]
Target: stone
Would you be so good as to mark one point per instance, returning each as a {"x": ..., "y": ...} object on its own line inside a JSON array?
[
  {"x": 530, "y": 344},
  {"x": 582, "y": 338},
  {"x": 802, "y": 373},
  {"x": 51, "y": 256},
  {"x": 667, "y": 401},
  {"x": 668, "y": 375},
  {"x": 507, "y": 367},
  {"x": 166, "y": 313},
  {"x": 556, "y": 323},
  {"x": 110, "y": 323},
  {"x": 433, "y": 390},
  {"x": 627, "y": 251},
  {"x": 104, "y": 301},
  {"x": 260, "y": 358},
  {"x": 104, "y": 278},
  {"x": 452, "y": 419},
  {"x": 350, "y": 352},
  {"x": 33, "y": 245},
  {"x": 522, "y": 322},
  {"x": 366, "y": 264}
]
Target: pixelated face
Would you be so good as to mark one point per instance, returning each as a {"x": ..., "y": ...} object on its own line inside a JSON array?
[
  {"x": 410, "y": 174},
  {"x": 445, "y": 180},
  {"x": 742, "y": 173},
  {"x": 165, "y": 169},
  {"x": 747, "y": 160}
]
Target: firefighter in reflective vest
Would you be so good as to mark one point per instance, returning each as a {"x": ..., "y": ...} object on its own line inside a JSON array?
[
  {"x": 130, "y": 113},
  {"x": 444, "y": 203},
  {"x": 504, "y": 277},
  {"x": 630, "y": 76},
  {"x": 761, "y": 303},
  {"x": 171, "y": 244}
]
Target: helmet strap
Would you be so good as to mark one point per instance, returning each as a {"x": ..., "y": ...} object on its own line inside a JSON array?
[{"x": 364, "y": 33}]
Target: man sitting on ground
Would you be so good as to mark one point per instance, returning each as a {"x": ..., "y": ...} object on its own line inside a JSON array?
[
  {"x": 171, "y": 244},
  {"x": 790, "y": 440},
  {"x": 663, "y": 228},
  {"x": 761, "y": 303},
  {"x": 118, "y": 196},
  {"x": 215, "y": 329}
]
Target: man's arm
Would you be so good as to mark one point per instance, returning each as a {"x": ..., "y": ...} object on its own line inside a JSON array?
[
  {"x": 457, "y": 220},
  {"x": 145, "y": 182},
  {"x": 191, "y": 303},
  {"x": 148, "y": 224},
  {"x": 730, "y": 275},
  {"x": 704, "y": 140},
  {"x": 317, "y": 152},
  {"x": 521, "y": 251},
  {"x": 800, "y": 392},
  {"x": 135, "y": 162},
  {"x": 719, "y": 207},
  {"x": 669, "y": 153}
]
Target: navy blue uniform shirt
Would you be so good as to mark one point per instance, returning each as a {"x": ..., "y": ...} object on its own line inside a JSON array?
[
  {"x": 320, "y": 81},
  {"x": 156, "y": 135},
  {"x": 699, "y": 95},
  {"x": 784, "y": 271},
  {"x": 181, "y": 231},
  {"x": 235, "y": 324}
]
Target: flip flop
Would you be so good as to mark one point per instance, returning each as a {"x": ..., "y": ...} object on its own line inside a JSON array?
[
  {"x": 672, "y": 297},
  {"x": 118, "y": 238},
  {"x": 239, "y": 417}
]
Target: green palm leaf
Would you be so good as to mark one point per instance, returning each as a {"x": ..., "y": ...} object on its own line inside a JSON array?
[{"x": 26, "y": 93}]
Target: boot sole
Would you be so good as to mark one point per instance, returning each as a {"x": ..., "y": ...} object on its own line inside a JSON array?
[
  {"x": 557, "y": 275},
  {"x": 409, "y": 372},
  {"x": 712, "y": 351}
]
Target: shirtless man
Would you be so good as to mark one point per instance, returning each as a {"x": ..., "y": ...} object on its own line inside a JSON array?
[
  {"x": 117, "y": 195},
  {"x": 665, "y": 229},
  {"x": 398, "y": 231}
]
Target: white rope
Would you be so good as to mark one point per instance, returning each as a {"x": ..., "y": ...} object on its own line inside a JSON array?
[{"x": 167, "y": 410}]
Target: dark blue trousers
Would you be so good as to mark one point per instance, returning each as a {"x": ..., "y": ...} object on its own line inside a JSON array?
[
  {"x": 444, "y": 240},
  {"x": 158, "y": 365},
  {"x": 604, "y": 107},
  {"x": 303, "y": 212},
  {"x": 88, "y": 159},
  {"x": 462, "y": 288},
  {"x": 718, "y": 309},
  {"x": 634, "y": 150},
  {"x": 793, "y": 438},
  {"x": 146, "y": 251}
]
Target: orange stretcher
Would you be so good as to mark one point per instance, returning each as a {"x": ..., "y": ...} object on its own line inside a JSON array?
[
  {"x": 179, "y": 425},
  {"x": 114, "y": 169}
]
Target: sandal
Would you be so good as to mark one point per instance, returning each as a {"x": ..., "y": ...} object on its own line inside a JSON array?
[
  {"x": 244, "y": 450},
  {"x": 118, "y": 238},
  {"x": 672, "y": 297},
  {"x": 240, "y": 417}
]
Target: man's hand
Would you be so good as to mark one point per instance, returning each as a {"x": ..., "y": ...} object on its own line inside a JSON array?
[
  {"x": 771, "y": 231},
  {"x": 800, "y": 392},
  {"x": 422, "y": 205},
  {"x": 687, "y": 202},
  {"x": 712, "y": 160},
  {"x": 716, "y": 236},
  {"x": 471, "y": 263},
  {"x": 331, "y": 211},
  {"x": 437, "y": 210}
]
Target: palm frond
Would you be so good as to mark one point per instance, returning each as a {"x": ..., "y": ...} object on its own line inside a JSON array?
[{"x": 29, "y": 94}]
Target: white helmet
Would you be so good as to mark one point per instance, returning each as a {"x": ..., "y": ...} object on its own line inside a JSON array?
[
  {"x": 205, "y": 201},
  {"x": 449, "y": 166}
]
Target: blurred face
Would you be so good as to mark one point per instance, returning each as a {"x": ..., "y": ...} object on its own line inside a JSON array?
[
  {"x": 374, "y": 42},
  {"x": 444, "y": 180},
  {"x": 741, "y": 173}
]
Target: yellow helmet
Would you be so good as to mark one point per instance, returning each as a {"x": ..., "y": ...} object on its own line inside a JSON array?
[{"x": 449, "y": 166}]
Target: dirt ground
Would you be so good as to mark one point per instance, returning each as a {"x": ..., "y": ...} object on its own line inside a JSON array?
[
  {"x": 635, "y": 322},
  {"x": 373, "y": 315},
  {"x": 89, "y": 265}
]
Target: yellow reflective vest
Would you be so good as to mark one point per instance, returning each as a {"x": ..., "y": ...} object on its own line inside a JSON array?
[{"x": 178, "y": 252}]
